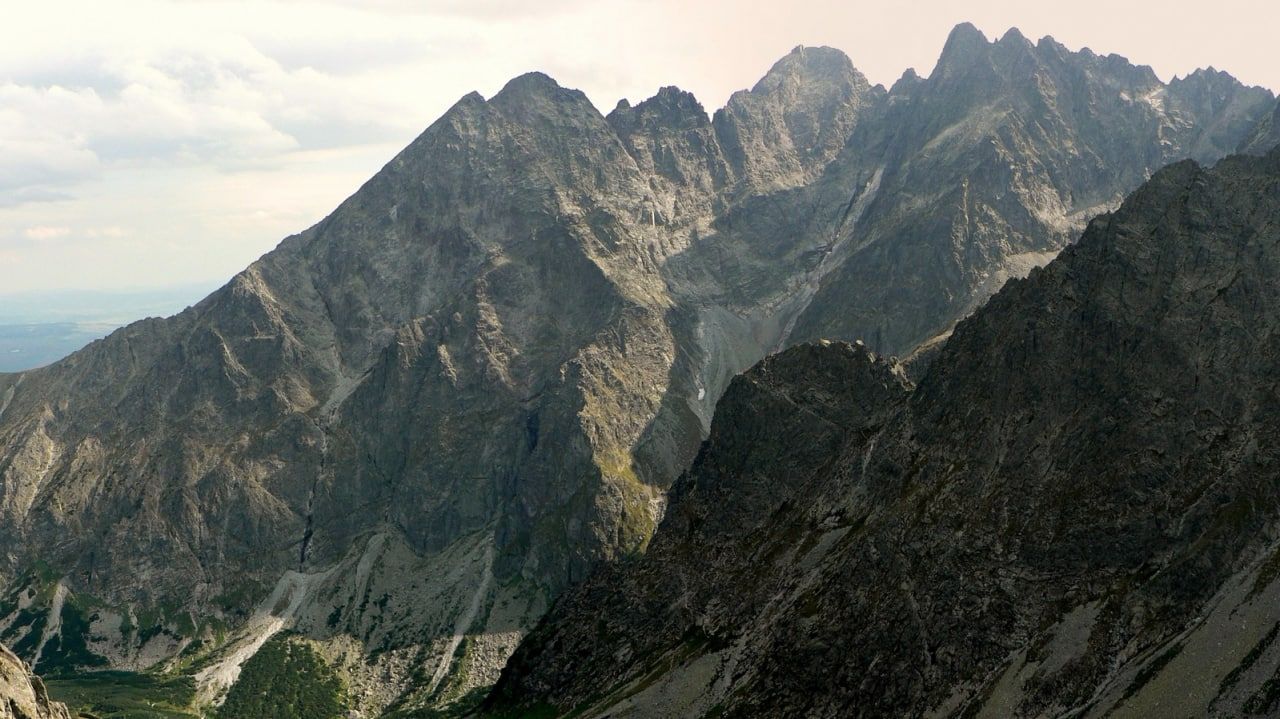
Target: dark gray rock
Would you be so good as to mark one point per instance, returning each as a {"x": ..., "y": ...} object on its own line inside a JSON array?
[
  {"x": 993, "y": 164},
  {"x": 425, "y": 416},
  {"x": 1265, "y": 135},
  {"x": 1074, "y": 513}
]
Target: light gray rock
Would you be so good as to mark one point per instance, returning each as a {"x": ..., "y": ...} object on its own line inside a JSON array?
[
  {"x": 22, "y": 694},
  {"x": 500, "y": 352},
  {"x": 1075, "y": 513}
]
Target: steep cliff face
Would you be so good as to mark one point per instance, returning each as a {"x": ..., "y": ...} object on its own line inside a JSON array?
[
  {"x": 411, "y": 424},
  {"x": 992, "y": 165},
  {"x": 1075, "y": 512},
  {"x": 22, "y": 695},
  {"x": 1265, "y": 135},
  {"x": 407, "y": 428}
]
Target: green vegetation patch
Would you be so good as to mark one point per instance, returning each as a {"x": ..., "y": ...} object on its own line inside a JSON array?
[
  {"x": 125, "y": 695},
  {"x": 460, "y": 709},
  {"x": 25, "y": 645},
  {"x": 68, "y": 650},
  {"x": 286, "y": 679}
]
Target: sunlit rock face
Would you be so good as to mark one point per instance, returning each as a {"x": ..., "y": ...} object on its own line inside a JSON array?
[
  {"x": 22, "y": 694},
  {"x": 409, "y": 427},
  {"x": 1075, "y": 512}
]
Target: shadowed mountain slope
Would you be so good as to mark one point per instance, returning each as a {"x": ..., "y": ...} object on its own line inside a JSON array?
[
  {"x": 1074, "y": 513},
  {"x": 406, "y": 429}
]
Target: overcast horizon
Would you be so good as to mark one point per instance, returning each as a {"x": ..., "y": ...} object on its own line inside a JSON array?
[{"x": 161, "y": 144}]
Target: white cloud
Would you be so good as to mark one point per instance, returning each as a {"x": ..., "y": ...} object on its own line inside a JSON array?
[
  {"x": 206, "y": 130},
  {"x": 223, "y": 106},
  {"x": 41, "y": 233},
  {"x": 37, "y": 158},
  {"x": 113, "y": 232},
  {"x": 493, "y": 10}
]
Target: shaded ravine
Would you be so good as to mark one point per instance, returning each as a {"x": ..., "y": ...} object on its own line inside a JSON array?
[{"x": 511, "y": 340}]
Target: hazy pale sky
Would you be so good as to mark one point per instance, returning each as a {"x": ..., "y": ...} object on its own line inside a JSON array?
[{"x": 148, "y": 143}]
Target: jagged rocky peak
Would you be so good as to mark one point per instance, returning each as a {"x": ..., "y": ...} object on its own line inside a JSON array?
[
  {"x": 533, "y": 85},
  {"x": 796, "y": 118},
  {"x": 1209, "y": 76},
  {"x": 1021, "y": 144},
  {"x": 22, "y": 694},
  {"x": 965, "y": 39},
  {"x": 1208, "y": 89},
  {"x": 805, "y": 66},
  {"x": 420, "y": 419},
  {"x": 540, "y": 103},
  {"x": 968, "y": 52},
  {"x": 671, "y": 107},
  {"x": 1012, "y": 58},
  {"x": 785, "y": 408},
  {"x": 1213, "y": 93},
  {"x": 965, "y": 47},
  {"x": 533, "y": 102},
  {"x": 1074, "y": 514},
  {"x": 671, "y": 136},
  {"x": 909, "y": 81},
  {"x": 1014, "y": 37},
  {"x": 837, "y": 382}
]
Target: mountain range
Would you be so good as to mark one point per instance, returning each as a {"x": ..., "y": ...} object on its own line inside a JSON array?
[
  {"x": 1074, "y": 512},
  {"x": 397, "y": 438}
]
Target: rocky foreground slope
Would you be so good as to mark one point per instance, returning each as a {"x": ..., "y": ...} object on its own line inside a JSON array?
[
  {"x": 22, "y": 695},
  {"x": 409, "y": 427},
  {"x": 1075, "y": 513}
]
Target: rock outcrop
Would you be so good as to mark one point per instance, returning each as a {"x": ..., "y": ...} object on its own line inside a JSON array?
[
  {"x": 408, "y": 428},
  {"x": 993, "y": 164},
  {"x": 1075, "y": 513},
  {"x": 22, "y": 694},
  {"x": 1265, "y": 135}
]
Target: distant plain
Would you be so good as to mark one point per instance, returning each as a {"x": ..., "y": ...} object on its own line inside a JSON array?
[{"x": 38, "y": 328}]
